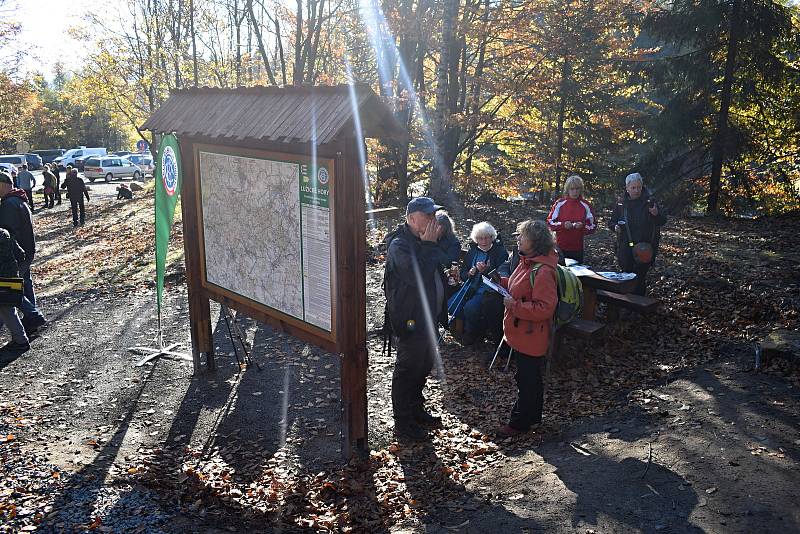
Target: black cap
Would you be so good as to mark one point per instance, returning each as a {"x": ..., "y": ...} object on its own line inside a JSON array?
[{"x": 5, "y": 179}]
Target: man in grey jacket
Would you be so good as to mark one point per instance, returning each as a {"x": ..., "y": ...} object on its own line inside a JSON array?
[{"x": 26, "y": 182}]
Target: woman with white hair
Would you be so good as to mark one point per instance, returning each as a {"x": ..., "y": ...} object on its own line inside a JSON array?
[
  {"x": 571, "y": 218},
  {"x": 636, "y": 220},
  {"x": 485, "y": 254}
]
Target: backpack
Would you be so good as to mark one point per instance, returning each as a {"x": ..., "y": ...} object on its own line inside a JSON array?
[
  {"x": 386, "y": 330},
  {"x": 570, "y": 294}
]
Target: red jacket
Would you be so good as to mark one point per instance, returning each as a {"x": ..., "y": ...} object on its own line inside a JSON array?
[
  {"x": 573, "y": 210},
  {"x": 526, "y": 326}
]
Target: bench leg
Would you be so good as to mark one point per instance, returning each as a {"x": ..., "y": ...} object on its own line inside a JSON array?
[{"x": 589, "y": 303}]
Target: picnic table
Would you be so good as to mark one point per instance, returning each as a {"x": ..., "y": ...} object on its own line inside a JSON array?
[{"x": 593, "y": 282}]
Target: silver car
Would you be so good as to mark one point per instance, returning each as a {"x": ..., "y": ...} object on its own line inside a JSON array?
[{"x": 109, "y": 168}]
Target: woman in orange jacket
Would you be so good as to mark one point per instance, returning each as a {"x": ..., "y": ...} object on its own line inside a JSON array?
[{"x": 528, "y": 319}]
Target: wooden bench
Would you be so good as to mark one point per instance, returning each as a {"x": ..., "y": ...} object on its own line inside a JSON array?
[
  {"x": 637, "y": 303},
  {"x": 583, "y": 329}
]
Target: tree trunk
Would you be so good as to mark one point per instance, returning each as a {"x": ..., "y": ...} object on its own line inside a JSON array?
[
  {"x": 259, "y": 38},
  {"x": 721, "y": 137},
  {"x": 560, "y": 131},
  {"x": 442, "y": 175}
]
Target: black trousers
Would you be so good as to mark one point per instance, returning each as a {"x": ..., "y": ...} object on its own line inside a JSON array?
[
  {"x": 58, "y": 189},
  {"x": 415, "y": 356},
  {"x": 527, "y": 410},
  {"x": 29, "y": 192},
  {"x": 628, "y": 265},
  {"x": 77, "y": 206}
]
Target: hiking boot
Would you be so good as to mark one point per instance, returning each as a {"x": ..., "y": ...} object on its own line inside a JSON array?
[
  {"x": 32, "y": 324},
  {"x": 13, "y": 346},
  {"x": 425, "y": 419},
  {"x": 410, "y": 430},
  {"x": 469, "y": 339},
  {"x": 508, "y": 431}
]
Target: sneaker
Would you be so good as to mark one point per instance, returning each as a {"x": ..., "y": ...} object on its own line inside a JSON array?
[
  {"x": 410, "y": 430},
  {"x": 13, "y": 346},
  {"x": 424, "y": 418},
  {"x": 508, "y": 431}
]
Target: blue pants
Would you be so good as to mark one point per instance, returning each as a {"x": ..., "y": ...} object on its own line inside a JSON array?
[
  {"x": 471, "y": 311},
  {"x": 28, "y": 307}
]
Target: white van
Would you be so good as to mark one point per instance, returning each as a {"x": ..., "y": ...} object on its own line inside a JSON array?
[{"x": 72, "y": 154}]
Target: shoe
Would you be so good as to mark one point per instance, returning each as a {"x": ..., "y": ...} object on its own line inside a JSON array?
[
  {"x": 469, "y": 339},
  {"x": 13, "y": 346},
  {"x": 32, "y": 324},
  {"x": 410, "y": 430},
  {"x": 424, "y": 418},
  {"x": 508, "y": 431}
]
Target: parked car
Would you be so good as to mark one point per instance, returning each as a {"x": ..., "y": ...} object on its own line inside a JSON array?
[
  {"x": 80, "y": 162},
  {"x": 35, "y": 162},
  {"x": 144, "y": 161},
  {"x": 73, "y": 153},
  {"x": 15, "y": 159},
  {"x": 8, "y": 167},
  {"x": 50, "y": 154},
  {"x": 122, "y": 153},
  {"x": 110, "y": 167}
]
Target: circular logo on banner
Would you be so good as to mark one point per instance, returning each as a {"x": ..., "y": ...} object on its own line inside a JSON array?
[
  {"x": 322, "y": 175},
  {"x": 169, "y": 170}
]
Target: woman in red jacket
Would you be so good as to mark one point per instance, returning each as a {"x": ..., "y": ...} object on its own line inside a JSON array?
[
  {"x": 528, "y": 320},
  {"x": 571, "y": 218}
]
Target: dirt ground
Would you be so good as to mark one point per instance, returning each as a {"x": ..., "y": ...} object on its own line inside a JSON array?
[{"x": 664, "y": 427}]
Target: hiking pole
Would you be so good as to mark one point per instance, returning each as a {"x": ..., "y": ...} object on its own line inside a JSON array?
[
  {"x": 247, "y": 359},
  {"x": 459, "y": 302},
  {"x": 224, "y": 311}
]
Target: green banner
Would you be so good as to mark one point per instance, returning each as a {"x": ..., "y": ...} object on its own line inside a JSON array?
[{"x": 168, "y": 187}]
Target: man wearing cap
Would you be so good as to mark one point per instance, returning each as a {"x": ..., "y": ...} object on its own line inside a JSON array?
[
  {"x": 414, "y": 301},
  {"x": 16, "y": 218}
]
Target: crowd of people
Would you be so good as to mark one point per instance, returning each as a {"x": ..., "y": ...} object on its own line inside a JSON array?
[
  {"x": 18, "y": 243},
  {"x": 428, "y": 286}
]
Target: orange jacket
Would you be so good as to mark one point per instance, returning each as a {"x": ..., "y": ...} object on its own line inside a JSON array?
[{"x": 526, "y": 325}]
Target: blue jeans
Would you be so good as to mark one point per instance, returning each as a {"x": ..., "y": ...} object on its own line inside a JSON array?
[
  {"x": 28, "y": 307},
  {"x": 8, "y": 317},
  {"x": 471, "y": 311}
]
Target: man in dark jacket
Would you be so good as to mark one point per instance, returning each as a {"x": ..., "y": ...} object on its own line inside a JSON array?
[
  {"x": 76, "y": 190},
  {"x": 635, "y": 220},
  {"x": 15, "y": 216},
  {"x": 415, "y": 300}
]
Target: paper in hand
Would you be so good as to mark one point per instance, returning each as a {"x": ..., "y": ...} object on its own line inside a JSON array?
[{"x": 497, "y": 287}]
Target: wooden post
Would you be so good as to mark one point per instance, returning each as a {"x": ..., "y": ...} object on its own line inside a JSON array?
[
  {"x": 199, "y": 308},
  {"x": 350, "y": 231}
]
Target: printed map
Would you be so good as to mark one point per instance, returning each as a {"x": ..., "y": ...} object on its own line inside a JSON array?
[{"x": 251, "y": 225}]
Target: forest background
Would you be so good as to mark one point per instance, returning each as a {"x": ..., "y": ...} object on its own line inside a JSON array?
[{"x": 502, "y": 96}]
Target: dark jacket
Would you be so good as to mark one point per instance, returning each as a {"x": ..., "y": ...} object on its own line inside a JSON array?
[
  {"x": 407, "y": 258},
  {"x": 448, "y": 250},
  {"x": 642, "y": 225},
  {"x": 497, "y": 255},
  {"x": 11, "y": 255},
  {"x": 75, "y": 187},
  {"x": 15, "y": 216}
]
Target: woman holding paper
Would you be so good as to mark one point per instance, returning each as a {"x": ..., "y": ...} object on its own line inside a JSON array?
[
  {"x": 474, "y": 304},
  {"x": 528, "y": 319}
]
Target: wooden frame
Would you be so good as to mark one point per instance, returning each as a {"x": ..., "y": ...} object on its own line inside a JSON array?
[
  {"x": 316, "y": 335},
  {"x": 348, "y": 275}
]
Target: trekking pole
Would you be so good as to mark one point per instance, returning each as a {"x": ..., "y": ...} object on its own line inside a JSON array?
[
  {"x": 458, "y": 304},
  {"x": 247, "y": 359},
  {"x": 224, "y": 311}
]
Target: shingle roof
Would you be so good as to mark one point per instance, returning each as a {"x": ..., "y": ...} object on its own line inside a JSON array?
[{"x": 276, "y": 114}]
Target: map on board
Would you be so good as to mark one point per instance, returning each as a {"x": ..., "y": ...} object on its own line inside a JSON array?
[{"x": 266, "y": 229}]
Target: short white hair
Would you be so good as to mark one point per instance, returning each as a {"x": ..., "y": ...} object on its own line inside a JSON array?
[
  {"x": 633, "y": 177},
  {"x": 482, "y": 229}
]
